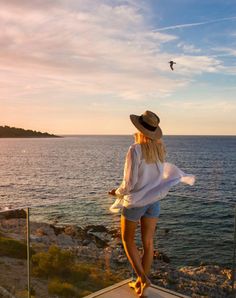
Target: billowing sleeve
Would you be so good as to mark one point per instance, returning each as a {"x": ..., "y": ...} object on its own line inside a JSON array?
[{"x": 130, "y": 172}]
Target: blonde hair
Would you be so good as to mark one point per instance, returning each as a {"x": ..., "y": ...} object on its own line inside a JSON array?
[{"x": 152, "y": 150}]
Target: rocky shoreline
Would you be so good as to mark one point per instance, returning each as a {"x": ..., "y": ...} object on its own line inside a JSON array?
[{"x": 95, "y": 243}]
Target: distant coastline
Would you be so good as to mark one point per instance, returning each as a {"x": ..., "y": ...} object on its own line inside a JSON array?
[{"x": 14, "y": 132}]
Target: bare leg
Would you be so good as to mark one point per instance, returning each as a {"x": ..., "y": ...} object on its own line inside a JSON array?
[
  {"x": 127, "y": 233},
  {"x": 148, "y": 226}
]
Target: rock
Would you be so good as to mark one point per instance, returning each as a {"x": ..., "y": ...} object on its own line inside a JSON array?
[
  {"x": 65, "y": 240},
  {"x": 18, "y": 213},
  {"x": 57, "y": 230},
  {"x": 92, "y": 246},
  {"x": 85, "y": 242},
  {"x": 40, "y": 232},
  {"x": 43, "y": 229},
  {"x": 44, "y": 239},
  {"x": 94, "y": 228},
  {"x": 115, "y": 233},
  {"x": 99, "y": 242},
  {"x": 4, "y": 293},
  {"x": 203, "y": 281},
  {"x": 90, "y": 252},
  {"x": 121, "y": 259},
  {"x": 161, "y": 256},
  {"x": 102, "y": 236},
  {"x": 71, "y": 231}
]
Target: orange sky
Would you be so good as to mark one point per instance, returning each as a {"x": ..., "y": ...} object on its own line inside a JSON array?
[{"x": 81, "y": 68}]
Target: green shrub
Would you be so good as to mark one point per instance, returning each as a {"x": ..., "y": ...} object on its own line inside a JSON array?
[
  {"x": 80, "y": 272},
  {"x": 62, "y": 289},
  {"x": 55, "y": 262},
  {"x": 84, "y": 293},
  {"x": 12, "y": 248},
  {"x": 91, "y": 277},
  {"x": 24, "y": 293},
  {"x": 60, "y": 267}
]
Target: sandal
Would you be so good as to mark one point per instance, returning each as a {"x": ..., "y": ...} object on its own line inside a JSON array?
[
  {"x": 135, "y": 285},
  {"x": 145, "y": 287}
]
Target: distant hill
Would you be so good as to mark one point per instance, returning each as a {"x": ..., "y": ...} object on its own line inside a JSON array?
[{"x": 13, "y": 132}]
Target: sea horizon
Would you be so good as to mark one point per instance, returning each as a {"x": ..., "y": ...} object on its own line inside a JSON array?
[{"x": 166, "y": 135}]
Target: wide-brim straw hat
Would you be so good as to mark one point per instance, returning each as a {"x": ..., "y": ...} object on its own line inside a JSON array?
[{"x": 148, "y": 124}]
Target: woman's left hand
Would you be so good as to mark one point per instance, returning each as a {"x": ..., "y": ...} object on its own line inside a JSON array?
[{"x": 112, "y": 192}]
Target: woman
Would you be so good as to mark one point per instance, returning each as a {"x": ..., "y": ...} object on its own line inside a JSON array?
[{"x": 147, "y": 179}]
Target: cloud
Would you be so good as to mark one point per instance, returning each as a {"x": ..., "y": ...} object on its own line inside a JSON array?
[
  {"x": 188, "y": 25},
  {"x": 79, "y": 49},
  {"x": 219, "y": 106},
  {"x": 226, "y": 51},
  {"x": 188, "y": 48},
  {"x": 96, "y": 49},
  {"x": 192, "y": 65}
]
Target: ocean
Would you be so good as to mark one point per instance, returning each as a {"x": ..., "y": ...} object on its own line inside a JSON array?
[{"x": 70, "y": 178}]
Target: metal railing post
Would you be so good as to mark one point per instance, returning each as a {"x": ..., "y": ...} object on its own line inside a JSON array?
[
  {"x": 28, "y": 251},
  {"x": 234, "y": 254}
]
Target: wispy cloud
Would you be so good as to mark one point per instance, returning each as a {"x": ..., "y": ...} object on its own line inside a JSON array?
[
  {"x": 225, "y": 51},
  {"x": 191, "y": 65},
  {"x": 180, "y": 26},
  {"x": 218, "y": 106},
  {"x": 102, "y": 49},
  {"x": 229, "y": 53},
  {"x": 106, "y": 49},
  {"x": 188, "y": 48}
]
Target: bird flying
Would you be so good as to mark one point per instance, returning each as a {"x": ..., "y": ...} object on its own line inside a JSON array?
[{"x": 171, "y": 64}]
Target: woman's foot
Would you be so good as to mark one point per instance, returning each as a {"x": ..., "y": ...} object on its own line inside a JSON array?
[
  {"x": 144, "y": 289},
  {"x": 136, "y": 285}
]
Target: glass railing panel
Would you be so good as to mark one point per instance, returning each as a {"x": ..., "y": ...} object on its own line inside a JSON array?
[
  {"x": 72, "y": 256},
  {"x": 13, "y": 254}
]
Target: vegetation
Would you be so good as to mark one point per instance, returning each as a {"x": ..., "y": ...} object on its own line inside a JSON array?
[
  {"x": 66, "y": 277},
  {"x": 12, "y": 248},
  {"x": 62, "y": 289},
  {"x": 24, "y": 293},
  {"x": 13, "y": 132},
  {"x": 55, "y": 262}
]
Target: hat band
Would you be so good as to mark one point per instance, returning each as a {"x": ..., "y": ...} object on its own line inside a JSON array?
[{"x": 145, "y": 124}]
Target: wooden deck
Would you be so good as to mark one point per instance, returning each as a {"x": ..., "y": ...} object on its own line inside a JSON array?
[{"x": 122, "y": 290}]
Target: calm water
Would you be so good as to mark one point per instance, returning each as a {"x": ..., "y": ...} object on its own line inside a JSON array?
[{"x": 78, "y": 171}]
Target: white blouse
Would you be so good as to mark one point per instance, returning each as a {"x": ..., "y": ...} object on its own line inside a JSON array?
[{"x": 144, "y": 183}]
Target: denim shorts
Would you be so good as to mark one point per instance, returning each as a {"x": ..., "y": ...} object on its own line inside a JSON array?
[{"x": 134, "y": 214}]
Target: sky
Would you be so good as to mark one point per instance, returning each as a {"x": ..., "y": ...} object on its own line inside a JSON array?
[{"x": 83, "y": 66}]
